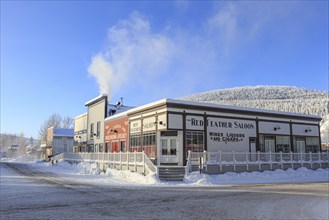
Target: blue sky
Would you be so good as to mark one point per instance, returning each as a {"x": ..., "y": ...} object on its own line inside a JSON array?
[{"x": 57, "y": 55}]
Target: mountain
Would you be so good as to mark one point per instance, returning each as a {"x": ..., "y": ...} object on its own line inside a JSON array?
[{"x": 279, "y": 98}]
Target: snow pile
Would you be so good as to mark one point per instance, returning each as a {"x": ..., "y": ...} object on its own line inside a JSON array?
[
  {"x": 277, "y": 176},
  {"x": 89, "y": 172},
  {"x": 20, "y": 159},
  {"x": 88, "y": 168},
  {"x": 132, "y": 177}
]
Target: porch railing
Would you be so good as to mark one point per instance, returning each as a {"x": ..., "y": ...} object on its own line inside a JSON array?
[
  {"x": 120, "y": 159},
  {"x": 259, "y": 158}
]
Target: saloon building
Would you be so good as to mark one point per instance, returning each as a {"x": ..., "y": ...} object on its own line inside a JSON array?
[{"x": 167, "y": 129}]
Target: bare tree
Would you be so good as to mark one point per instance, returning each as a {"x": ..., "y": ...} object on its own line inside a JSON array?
[
  {"x": 54, "y": 120},
  {"x": 67, "y": 122},
  {"x": 57, "y": 121}
]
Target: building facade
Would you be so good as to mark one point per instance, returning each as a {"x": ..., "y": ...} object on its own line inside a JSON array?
[
  {"x": 96, "y": 114},
  {"x": 98, "y": 110},
  {"x": 80, "y": 133},
  {"x": 60, "y": 140},
  {"x": 116, "y": 134},
  {"x": 167, "y": 129}
]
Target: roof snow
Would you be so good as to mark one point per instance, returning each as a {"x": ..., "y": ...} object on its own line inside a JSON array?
[{"x": 63, "y": 132}]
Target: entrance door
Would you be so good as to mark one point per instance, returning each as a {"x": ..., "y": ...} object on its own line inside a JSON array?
[
  {"x": 300, "y": 146},
  {"x": 169, "y": 154},
  {"x": 269, "y": 145}
]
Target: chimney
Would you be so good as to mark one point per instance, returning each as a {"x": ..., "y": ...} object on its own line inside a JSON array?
[{"x": 121, "y": 103}]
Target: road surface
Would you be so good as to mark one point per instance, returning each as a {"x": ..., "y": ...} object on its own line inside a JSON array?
[{"x": 29, "y": 193}]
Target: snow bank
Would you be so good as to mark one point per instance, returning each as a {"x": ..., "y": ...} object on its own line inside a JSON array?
[
  {"x": 277, "y": 176},
  {"x": 88, "y": 172},
  {"x": 20, "y": 159},
  {"x": 132, "y": 177}
]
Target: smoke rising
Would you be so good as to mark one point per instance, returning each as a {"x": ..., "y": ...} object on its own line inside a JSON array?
[
  {"x": 102, "y": 71},
  {"x": 133, "y": 53},
  {"x": 137, "y": 56}
]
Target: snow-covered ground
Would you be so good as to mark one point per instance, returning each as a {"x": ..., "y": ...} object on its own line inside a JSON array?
[
  {"x": 38, "y": 190},
  {"x": 88, "y": 172}
]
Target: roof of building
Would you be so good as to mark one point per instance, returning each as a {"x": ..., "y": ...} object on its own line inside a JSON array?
[
  {"x": 116, "y": 109},
  {"x": 213, "y": 107},
  {"x": 63, "y": 132},
  {"x": 94, "y": 100},
  {"x": 82, "y": 115}
]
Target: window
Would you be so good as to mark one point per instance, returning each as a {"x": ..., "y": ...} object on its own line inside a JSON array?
[
  {"x": 267, "y": 143},
  {"x": 98, "y": 129},
  {"x": 135, "y": 141},
  {"x": 90, "y": 148},
  {"x": 123, "y": 146},
  {"x": 149, "y": 139},
  {"x": 312, "y": 145},
  {"x": 91, "y": 131},
  {"x": 273, "y": 144},
  {"x": 100, "y": 147},
  {"x": 282, "y": 144},
  {"x": 194, "y": 141},
  {"x": 169, "y": 146},
  {"x": 169, "y": 133},
  {"x": 106, "y": 147}
]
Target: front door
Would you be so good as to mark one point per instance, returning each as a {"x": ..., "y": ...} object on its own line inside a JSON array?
[
  {"x": 269, "y": 145},
  {"x": 300, "y": 146},
  {"x": 169, "y": 153}
]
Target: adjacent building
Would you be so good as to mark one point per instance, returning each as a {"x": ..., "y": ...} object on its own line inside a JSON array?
[
  {"x": 59, "y": 140},
  {"x": 80, "y": 133},
  {"x": 98, "y": 110}
]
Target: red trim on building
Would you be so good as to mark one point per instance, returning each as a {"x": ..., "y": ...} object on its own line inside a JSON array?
[{"x": 115, "y": 134}]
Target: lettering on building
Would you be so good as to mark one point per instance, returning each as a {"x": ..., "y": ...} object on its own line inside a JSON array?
[{"x": 222, "y": 124}]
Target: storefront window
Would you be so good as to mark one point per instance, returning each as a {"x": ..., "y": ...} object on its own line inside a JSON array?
[
  {"x": 149, "y": 139},
  {"x": 282, "y": 144},
  {"x": 194, "y": 141},
  {"x": 312, "y": 144},
  {"x": 135, "y": 140},
  {"x": 269, "y": 143}
]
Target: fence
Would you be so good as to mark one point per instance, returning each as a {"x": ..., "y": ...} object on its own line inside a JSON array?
[
  {"x": 246, "y": 161},
  {"x": 134, "y": 161}
]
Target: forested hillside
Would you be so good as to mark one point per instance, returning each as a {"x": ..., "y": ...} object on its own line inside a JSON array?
[{"x": 280, "y": 98}]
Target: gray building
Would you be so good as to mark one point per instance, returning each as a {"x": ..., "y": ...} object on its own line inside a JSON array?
[{"x": 60, "y": 140}]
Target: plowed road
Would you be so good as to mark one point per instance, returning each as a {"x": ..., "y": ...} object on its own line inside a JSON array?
[{"x": 28, "y": 193}]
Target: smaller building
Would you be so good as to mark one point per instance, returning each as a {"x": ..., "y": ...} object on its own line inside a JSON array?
[
  {"x": 60, "y": 140},
  {"x": 80, "y": 133}
]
